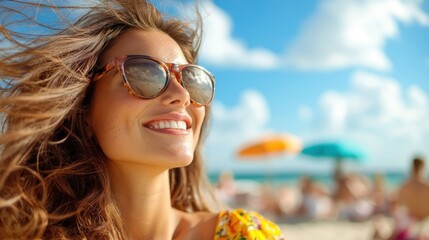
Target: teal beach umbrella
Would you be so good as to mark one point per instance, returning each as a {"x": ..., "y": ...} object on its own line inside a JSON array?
[{"x": 337, "y": 150}]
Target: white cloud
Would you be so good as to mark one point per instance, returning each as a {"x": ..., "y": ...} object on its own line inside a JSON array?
[
  {"x": 335, "y": 110},
  {"x": 242, "y": 121},
  {"x": 352, "y": 33},
  {"x": 391, "y": 121},
  {"x": 341, "y": 33},
  {"x": 234, "y": 126},
  {"x": 220, "y": 48}
]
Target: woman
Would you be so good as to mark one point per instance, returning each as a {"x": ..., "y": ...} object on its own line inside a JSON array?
[{"x": 103, "y": 123}]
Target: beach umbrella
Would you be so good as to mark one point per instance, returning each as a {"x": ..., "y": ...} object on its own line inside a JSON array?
[
  {"x": 335, "y": 149},
  {"x": 270, "y": 145},
  {"x": 339, "y": 150}
]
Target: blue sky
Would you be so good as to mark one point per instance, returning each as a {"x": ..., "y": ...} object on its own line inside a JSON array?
[{"x": 329, "y": 69}]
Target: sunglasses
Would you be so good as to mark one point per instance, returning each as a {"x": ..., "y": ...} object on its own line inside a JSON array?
[{"x": 147, "y": 77}]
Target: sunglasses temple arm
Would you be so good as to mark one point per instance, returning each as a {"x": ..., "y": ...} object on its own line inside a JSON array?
[{"x": 102, "y": 71}]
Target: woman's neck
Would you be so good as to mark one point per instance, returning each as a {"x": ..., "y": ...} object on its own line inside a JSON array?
[{"x": 143, "y": 197}]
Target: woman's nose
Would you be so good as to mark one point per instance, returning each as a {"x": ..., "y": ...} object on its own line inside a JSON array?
[{"x": 175, "y": 93}]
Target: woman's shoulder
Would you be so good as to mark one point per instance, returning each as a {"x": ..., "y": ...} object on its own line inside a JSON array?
[{"x": 244, "y": 224}]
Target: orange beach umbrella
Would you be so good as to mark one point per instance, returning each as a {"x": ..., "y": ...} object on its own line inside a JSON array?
[{"x": 273, "y": 144}]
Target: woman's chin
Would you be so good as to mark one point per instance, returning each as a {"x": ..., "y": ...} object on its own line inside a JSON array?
[
  {"x": 175, "y": 160},
  {"x": 182, "y": 161}
]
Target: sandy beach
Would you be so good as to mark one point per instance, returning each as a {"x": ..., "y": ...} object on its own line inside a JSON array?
[
  {"x": 340, "y": 230},
  {"x": 330, "y": 230}
]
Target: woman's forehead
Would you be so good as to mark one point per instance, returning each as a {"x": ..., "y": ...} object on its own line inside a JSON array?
[{"x": 152, "y": 42}]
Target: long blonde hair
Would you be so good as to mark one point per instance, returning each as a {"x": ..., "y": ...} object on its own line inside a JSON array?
[{"x": 53, "y": 184}]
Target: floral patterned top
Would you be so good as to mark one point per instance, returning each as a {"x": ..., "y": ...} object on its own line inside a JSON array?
[{"x": 240, "y": 224}]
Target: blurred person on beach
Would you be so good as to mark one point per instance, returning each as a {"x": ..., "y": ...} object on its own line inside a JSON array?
[
  {"x": 263, "y": 200},
  {"x": 410, "y": 206},
  {"x": 414, "y": 193},
  {"x": 352, "y": 197},
  {"x": 226, "y": 188},
  {"x": 288, "y": 200},
  {"x": 379, "y": 195},
  {"x": 103, "y": 121},
  {"x": 315, "y": 201}
]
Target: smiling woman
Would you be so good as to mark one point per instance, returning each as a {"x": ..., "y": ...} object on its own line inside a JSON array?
[{"x": 103, "y": 126}]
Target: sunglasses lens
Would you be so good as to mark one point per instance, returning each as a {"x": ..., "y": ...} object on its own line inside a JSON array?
[
  {"x": 199, "y": 84},
  {"x": 146, "y": 77}
]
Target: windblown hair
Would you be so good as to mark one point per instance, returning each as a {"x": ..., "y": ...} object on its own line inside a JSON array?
[{"x": 53, "y": 179}]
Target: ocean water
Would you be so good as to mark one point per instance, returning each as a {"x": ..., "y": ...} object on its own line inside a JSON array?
[{"x": 391, "y": 179}]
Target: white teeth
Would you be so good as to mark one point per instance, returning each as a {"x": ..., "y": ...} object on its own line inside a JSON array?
[{"x": 168, "y": 124}]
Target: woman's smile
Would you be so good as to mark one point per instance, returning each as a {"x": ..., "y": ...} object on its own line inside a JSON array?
[{"x": 170, "y": 123}]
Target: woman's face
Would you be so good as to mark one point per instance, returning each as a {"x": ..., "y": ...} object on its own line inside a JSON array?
[{"x": 124, "y": 124}]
